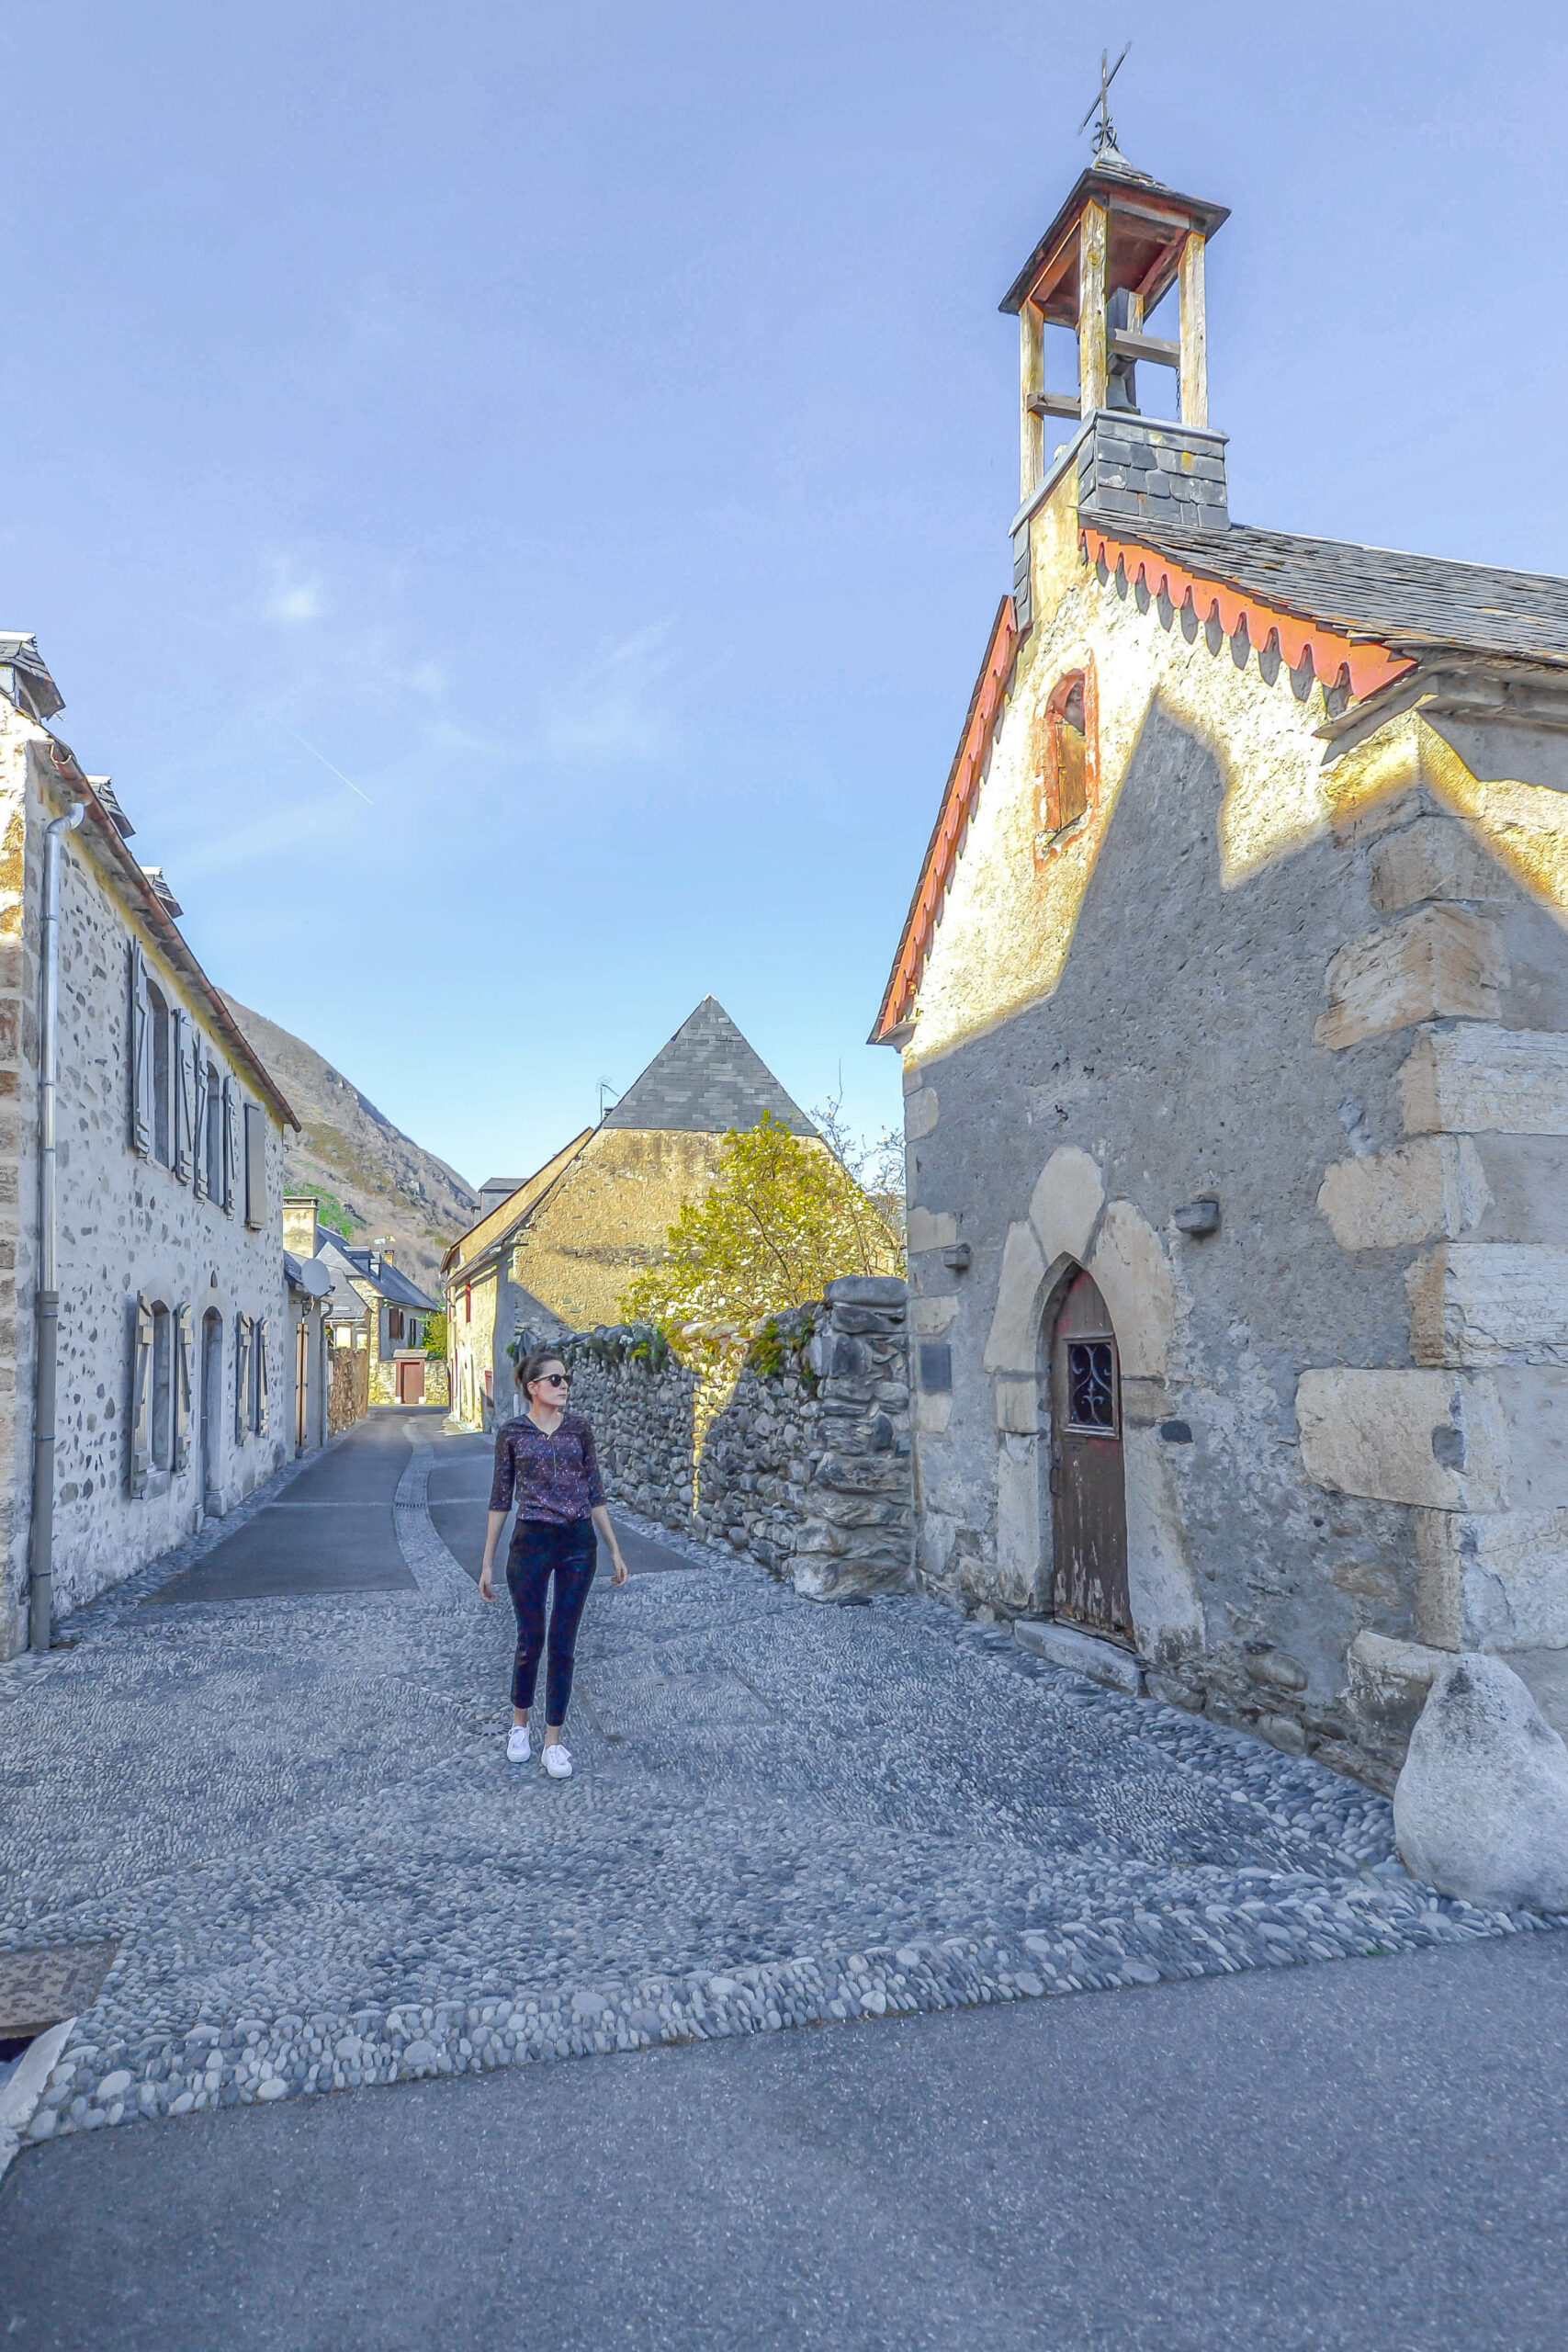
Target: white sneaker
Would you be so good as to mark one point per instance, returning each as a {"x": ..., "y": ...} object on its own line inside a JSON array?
[
  {"x": 517, "y": 1749},
  {"x": 557, "y": 1761}
]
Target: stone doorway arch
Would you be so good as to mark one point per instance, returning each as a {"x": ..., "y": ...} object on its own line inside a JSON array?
[{"x": 1088, "y": 1470}]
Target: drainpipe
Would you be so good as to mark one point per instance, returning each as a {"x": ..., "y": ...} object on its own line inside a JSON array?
[{"x": 41, "y": 1544}]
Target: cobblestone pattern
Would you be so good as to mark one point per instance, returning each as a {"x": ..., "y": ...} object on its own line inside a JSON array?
[
  {"x": 298, "y": 1820},
  {"x": 807, "y": 1469}
]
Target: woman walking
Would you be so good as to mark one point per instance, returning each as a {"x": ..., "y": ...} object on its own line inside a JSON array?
[{"x": 545, "y": 1463}]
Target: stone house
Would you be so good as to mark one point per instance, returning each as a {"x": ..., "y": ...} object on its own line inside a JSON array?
[
  {"x": 390, "y": 1330},
  {"x": 1233, "y": 1004},
  {"x": 310, "y": 1333},
  {"x": 141, "y": 1188},
  {"x": 557, "y": 1252}
]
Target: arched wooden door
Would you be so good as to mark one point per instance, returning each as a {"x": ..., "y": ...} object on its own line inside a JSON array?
[{"x": 1088, "y": 1513}]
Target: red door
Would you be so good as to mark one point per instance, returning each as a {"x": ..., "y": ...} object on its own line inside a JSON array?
[
  {"x": 1088, "y": 1511},
  {"x": 410, "y": 1382}
]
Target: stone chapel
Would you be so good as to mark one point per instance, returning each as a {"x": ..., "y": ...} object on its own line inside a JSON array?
[{"x": 1233, "y": 1004}]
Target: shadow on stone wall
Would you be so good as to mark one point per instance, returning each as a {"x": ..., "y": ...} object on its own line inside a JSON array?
[{"x": 807, "y": 1468}]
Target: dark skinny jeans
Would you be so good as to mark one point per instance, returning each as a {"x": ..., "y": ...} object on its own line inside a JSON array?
[{"x": 540, "y": 1550}]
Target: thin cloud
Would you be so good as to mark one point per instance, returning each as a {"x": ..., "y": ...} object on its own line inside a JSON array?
[
  {"x": 619, "y": 709},
  {"x": 280, "y": 833},
  {"x": 295, "y": 598}
]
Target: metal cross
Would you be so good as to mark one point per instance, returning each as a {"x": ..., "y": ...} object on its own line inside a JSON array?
[{"x": 1104, "y": 130}]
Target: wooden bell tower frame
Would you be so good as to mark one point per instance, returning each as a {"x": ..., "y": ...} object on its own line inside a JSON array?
[{"x": 1119, "y": 232}]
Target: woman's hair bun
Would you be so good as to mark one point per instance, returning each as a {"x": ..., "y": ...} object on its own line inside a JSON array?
[{"x": 533, "y": 1365}]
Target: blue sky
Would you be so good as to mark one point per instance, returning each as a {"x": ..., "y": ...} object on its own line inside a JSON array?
[{"x": 515, "y": 495}]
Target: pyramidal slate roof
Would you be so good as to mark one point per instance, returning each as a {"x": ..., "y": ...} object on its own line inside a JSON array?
[{"x": 705, "y": 1082}]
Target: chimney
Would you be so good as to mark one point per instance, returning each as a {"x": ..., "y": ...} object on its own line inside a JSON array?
[
  {"x": 496, "y": 1189},
  {"x": 301, "y": 1228}
]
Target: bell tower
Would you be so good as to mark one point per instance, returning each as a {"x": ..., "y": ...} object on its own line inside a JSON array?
[{"x": 1118, "y": 244}]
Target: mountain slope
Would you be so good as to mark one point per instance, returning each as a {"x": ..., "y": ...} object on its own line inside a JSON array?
[{"x": 389, "y": 1186}]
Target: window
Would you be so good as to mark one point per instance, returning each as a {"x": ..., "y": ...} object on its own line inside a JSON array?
[
  {"x": 200, "y": 1072},
  {"x": 214, "y": 1145},
  {"x": 395, "y": 1326},
  {"x": 162, "y": 1424},
  {"x": 1091, "y": 1387},
  {"x": 259, "y": 1379},
  {"x": 1072, "y": 775},
  {"x": 141, "y": 1040},
  {"x": 243, "y": 1332},
  {"x": 255, "y": 1165},
  {"x": 182, "y": 1075},
  {"x": 1066, "y": 762},
  {"x": 158, "y": 1028}
]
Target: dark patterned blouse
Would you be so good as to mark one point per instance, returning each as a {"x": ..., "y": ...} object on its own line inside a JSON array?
[{"x": 554, "y": 1479}]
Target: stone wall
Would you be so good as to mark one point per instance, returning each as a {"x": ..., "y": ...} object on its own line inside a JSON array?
[
  {"x": 127, "y": 1225},
  {"x": 807, "y": 1467},
  {"x": 347, "y": 1387}
]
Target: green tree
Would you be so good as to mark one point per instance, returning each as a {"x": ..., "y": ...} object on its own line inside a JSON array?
[
  {"x": 329, "y": 1210},
  {"x": 783, "y": 1217},
  {"x": 436, "y": 1333}
]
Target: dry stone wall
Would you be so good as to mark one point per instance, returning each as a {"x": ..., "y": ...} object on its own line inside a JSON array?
[{"x": 807, "y": 1467}]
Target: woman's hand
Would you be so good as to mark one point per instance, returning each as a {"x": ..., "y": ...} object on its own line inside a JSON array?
[
  {"x": 618, "y": 1573},
  {"x": 495, "y": 1522}
]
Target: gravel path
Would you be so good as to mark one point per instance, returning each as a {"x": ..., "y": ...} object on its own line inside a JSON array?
[{"x": 297, "y": 1817}]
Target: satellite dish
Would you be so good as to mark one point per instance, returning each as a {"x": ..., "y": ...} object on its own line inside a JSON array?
[{"x": 315, "y": 1277}]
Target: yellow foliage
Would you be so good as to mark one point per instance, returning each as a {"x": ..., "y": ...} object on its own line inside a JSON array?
[{"x": 783, "y": 1218}]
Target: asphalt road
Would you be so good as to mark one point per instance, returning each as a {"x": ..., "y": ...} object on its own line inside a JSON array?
[
  {"x": 330, "y": 1530},
  {"x": 459, "y": 1502},
  {"x": 1362, "y": 2155}
]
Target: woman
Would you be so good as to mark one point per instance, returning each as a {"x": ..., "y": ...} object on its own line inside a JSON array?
[{"x": 545, "y": 1463}]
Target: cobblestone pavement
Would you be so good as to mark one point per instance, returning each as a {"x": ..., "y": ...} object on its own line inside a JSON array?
[{"x": 294, "y": 1812}]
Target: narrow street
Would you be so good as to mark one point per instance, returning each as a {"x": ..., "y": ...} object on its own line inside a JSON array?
[{"x": 274, "y": 1779}]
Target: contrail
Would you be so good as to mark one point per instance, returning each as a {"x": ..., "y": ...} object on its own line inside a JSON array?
[{"x": 325, "y": 760}]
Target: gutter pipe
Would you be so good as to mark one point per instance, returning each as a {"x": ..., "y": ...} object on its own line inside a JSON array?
[{"x": 46, "y": 1302}]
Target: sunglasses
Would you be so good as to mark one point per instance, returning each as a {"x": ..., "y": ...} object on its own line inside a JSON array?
[{"x": 553, "y": 1380}]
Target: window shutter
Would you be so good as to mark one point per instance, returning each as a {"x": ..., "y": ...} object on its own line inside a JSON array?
[
  {"x": 255, "y": 1165},
  {"x": 185, "y": 1382},
  {"x": 230, "y": 1146},
  {"x": 199, "y": 1076},
  {"x": 141, "y": 1415},
  {"x": 141, "y": 1057},
  {"x": 241, "y": 1379},
  {"x": 184, "y": 1092},
  {"x": 261, "y": 1377}
]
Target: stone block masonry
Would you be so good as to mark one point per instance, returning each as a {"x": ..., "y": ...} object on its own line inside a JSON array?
[
  {"x": 806, "y": 1466},
  {"x": 1134, "y": 469}
]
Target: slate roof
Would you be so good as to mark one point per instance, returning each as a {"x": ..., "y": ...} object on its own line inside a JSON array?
[
  {"x": 705, "y": 1082},
  {"x": 393, "y": 1285},
  {"x": 1405, "y": 602}
]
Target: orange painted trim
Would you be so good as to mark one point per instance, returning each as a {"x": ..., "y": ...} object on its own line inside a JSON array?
[
  {"x": 1360, "y": 663},
  {"x": 957, "y": 806}
]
